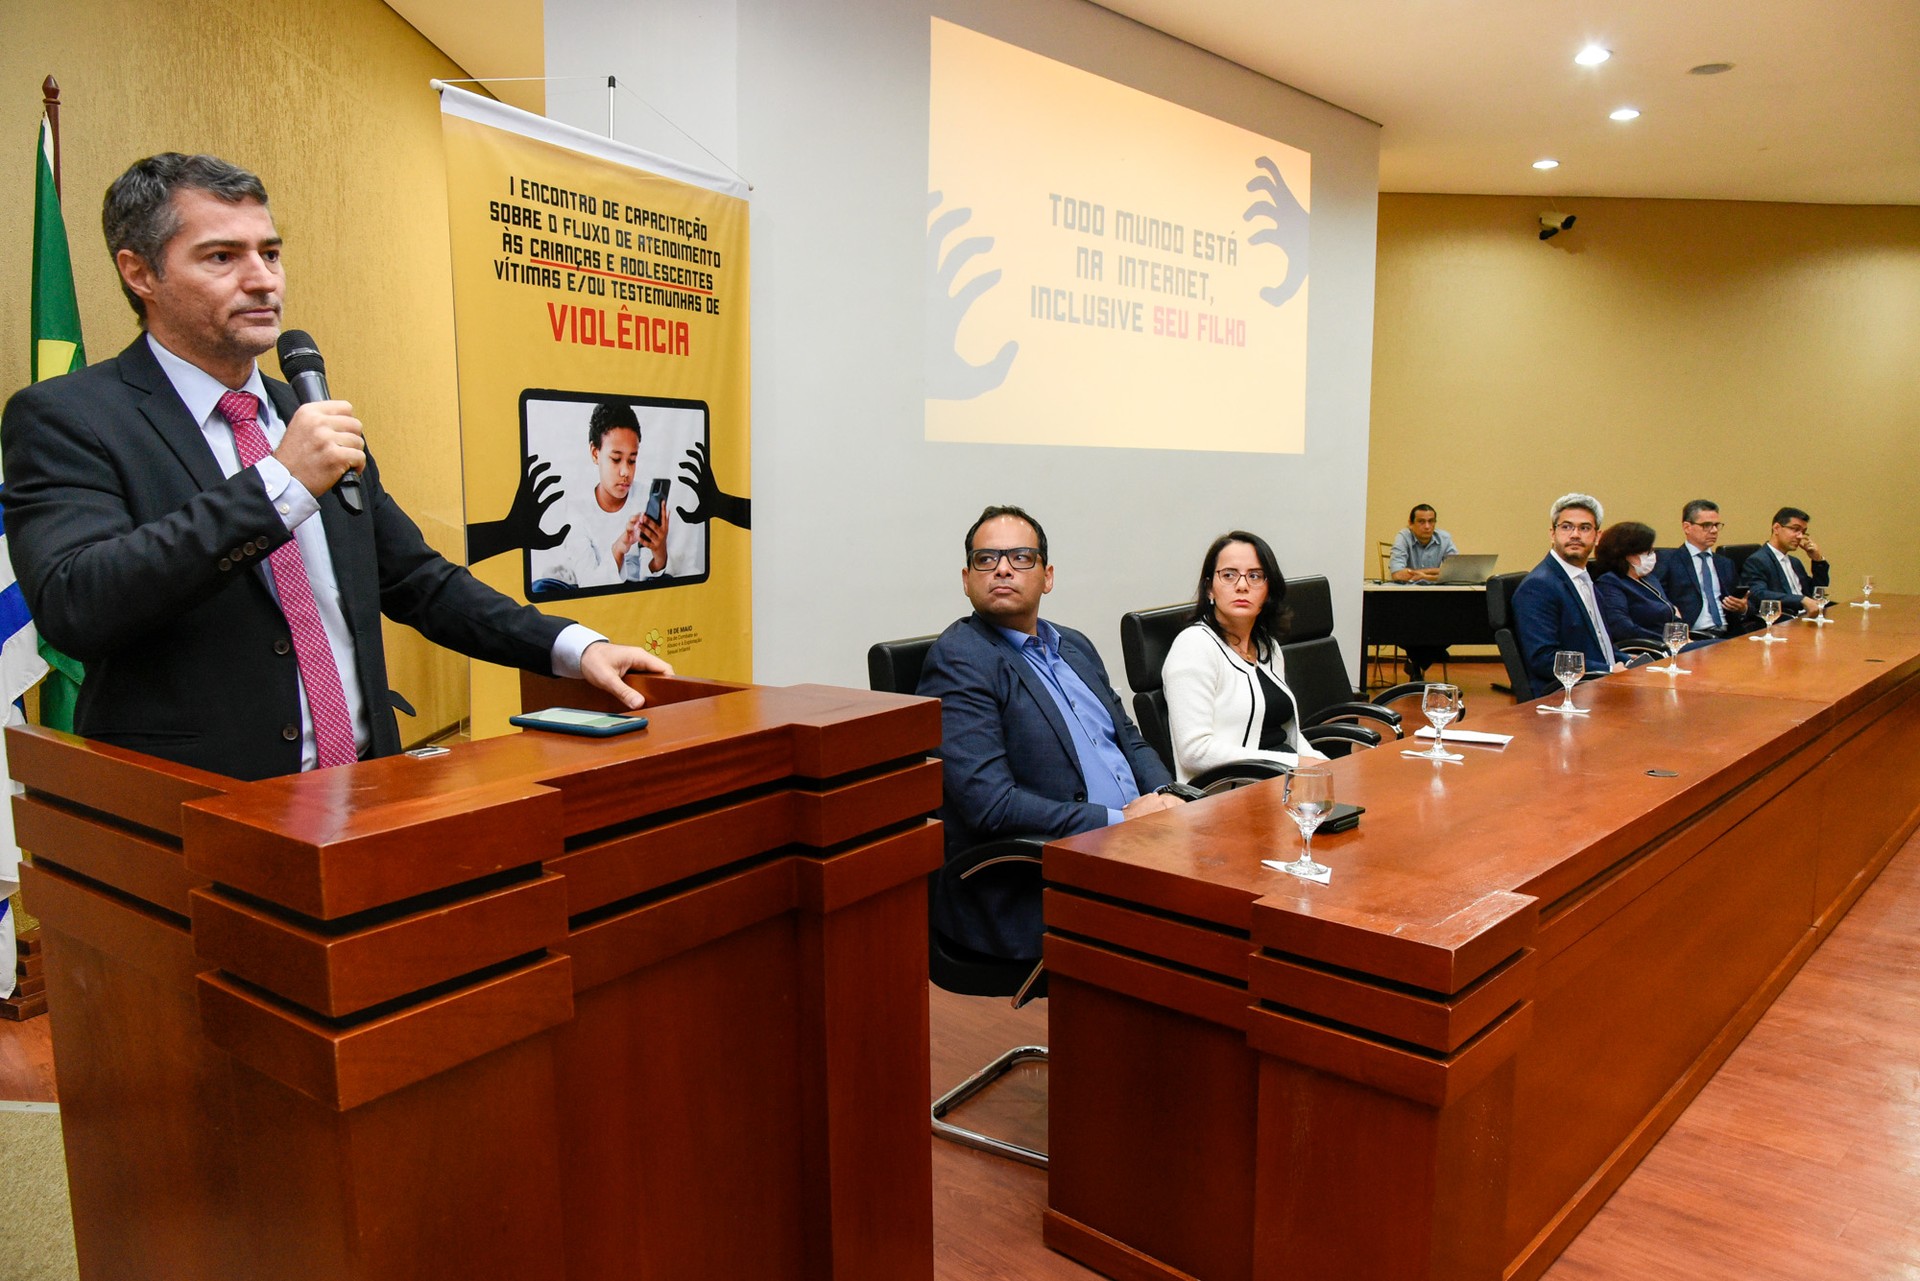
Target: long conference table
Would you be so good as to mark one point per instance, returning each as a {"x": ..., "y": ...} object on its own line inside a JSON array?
[{"x": 1442, "y": 1063}]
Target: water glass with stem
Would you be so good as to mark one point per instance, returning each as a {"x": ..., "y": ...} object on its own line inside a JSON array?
[
  {"x": 1821, "y": 597},
  {"x": 1440, "y": 704},
  {"x": 1569, "y": 665},
  {"x": 1309, "y": 800},
  {"x": 1769, "y": 615},
  {"x": 1675, "y": 636}
]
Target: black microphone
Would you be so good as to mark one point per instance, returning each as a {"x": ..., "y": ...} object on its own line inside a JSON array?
[{"x": 300, "y": 362}]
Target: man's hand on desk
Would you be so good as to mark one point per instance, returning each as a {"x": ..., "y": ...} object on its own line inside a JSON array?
[
  {"x": 605, "y": 664},
  {"x": 1151, "y": 802}
]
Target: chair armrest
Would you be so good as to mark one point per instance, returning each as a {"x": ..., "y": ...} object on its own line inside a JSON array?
[
  {"x": 1344, "y": 711},
  {"x": 1406, "y": 689},
  {"x": 1008, "y": 851},
  {"x": 1236, "y": 774},
  {"x": 1339, "y": 740}
]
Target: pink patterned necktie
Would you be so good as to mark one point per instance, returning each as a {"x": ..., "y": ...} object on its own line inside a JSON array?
[{"x": 332, "y": 726}]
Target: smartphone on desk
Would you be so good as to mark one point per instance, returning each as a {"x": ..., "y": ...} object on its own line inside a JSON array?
[
  {"x": 1342, "y": 818},
  {"x": 572, "y": 720}
]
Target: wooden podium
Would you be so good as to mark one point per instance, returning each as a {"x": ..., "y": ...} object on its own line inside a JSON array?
[{"x": 539, "y": 1007}]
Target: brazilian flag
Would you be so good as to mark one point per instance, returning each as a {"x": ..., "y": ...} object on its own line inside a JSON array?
[{"x": 56, "y": 350}]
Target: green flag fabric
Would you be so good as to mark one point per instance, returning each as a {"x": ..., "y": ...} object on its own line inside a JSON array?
[{"x": 57, "y": 349}]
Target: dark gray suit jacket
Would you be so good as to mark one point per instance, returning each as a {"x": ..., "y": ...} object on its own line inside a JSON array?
[
  {"x": 1010, "y": 768},
  {"x": 139, "y": 558},
  {"x": 1761, "y": 577}
]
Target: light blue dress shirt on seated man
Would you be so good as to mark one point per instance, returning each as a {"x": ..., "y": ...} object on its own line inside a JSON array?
[
  {"x": 1109, "y": 777},
  {"x": 1410, "y": 553}
]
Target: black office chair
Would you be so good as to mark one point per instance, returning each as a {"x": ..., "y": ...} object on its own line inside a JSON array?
[
  {"x": 894, "y": 667},
  {"x": 1145, "y": 637},
  {"x": 1500, "y": 590},
  {"x": 1737, "y": 553},
  {"x": 1317, "y": 671}
]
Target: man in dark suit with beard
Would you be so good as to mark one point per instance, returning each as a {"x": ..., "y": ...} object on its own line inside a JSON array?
[
  {"x": 1034, "y": 740},
  {"x": 172, "y": 521}
]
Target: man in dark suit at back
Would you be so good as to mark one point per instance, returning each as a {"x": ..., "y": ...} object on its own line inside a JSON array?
[
  {"x": 1774, "y": 573},
  {"x": 1554, "y": 608},
  {"x": 1034, "y": 740},
  {"x": 1700, "y": 581},
  {"x": 172, "y": 518}
]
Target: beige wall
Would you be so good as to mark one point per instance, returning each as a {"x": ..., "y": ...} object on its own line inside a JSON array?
[
  {"x": 1661, "y": 350},
  {"x": 328, "y": 101}
]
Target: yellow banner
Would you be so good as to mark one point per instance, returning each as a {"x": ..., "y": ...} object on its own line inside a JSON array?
[{"x": 600, "y": 312}]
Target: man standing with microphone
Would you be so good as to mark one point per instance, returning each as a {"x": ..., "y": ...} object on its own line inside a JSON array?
[{"x": 174, "y": 520}]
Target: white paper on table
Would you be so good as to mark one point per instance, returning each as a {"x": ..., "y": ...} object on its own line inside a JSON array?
[
  {"x": 1322, "y": 877},
  {"x": 1467, "y": 736}
]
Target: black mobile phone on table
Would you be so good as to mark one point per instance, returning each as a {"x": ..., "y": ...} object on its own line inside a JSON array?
[{"x": 572, "y": 720}]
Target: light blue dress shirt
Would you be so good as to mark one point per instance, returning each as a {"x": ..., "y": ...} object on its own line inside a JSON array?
[
  {"x": 1409, "y": 554},
  {"x": 1109, "y": 776}
]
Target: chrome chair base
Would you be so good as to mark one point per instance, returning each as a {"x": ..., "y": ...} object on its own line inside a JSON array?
[{"x": 973, "y": 1085}]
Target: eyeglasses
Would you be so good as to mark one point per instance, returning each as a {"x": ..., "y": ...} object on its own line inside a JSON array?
[
  {"x": 1794, "y": 528},
  {"x": 1251, "y": 577},
  {"x": 1568, "y": 527},
  {"x": 984, "y": 560},
  {"x": 1703, "y": 524}
]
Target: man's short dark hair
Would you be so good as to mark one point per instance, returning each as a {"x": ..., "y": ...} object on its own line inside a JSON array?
[
  {"x": 610, "y": 415},
  {"x": 1423, "y": 507},
  {"x": 1786, "y": 514},
  {"x": 994, "y": 513},
  {"x": 1699, "y": 507},
  {"x": 138, "y": 213}
]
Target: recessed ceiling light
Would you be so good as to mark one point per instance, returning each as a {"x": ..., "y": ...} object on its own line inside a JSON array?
[
  {"x": 1625, "y": 113},
  {"x": 1546, "y": 164},
  {"x": 1592, "y": 56},
  {"x": 1710, "y": 68}
]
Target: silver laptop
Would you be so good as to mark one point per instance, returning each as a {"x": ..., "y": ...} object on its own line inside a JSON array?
[{"x": 1468, "y": 569}]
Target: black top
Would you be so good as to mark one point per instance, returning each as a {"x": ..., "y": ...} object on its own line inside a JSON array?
[{"x": 1273, "y": 730}]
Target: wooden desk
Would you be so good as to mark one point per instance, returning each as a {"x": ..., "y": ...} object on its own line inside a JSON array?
[
  {"x": 1442, "y": 1063},
  {"x": 1442, "y": 614},
  {"x": 539, "y": 1008}
]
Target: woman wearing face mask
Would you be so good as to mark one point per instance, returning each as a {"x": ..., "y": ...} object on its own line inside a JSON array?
[
  {"x": 1631, "y": 602},
  {"x": 1227, "y": 695}
]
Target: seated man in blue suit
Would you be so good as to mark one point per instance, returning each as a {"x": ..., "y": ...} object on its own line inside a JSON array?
[
  {"x": 1554, "y": 608},
  {"x": 1034, "y": 739},
  {"x": 1773, "y": 573},
  {"x": 1700, "y": 581}
]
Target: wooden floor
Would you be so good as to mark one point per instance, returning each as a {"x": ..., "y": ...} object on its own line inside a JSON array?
[{"x": 1800, "y": 1161}]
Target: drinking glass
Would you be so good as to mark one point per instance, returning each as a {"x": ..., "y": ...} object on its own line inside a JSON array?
[
  {"x": 1440, "y": 704},
  {"x": 1866, "y": 589},
  {"x": 1769, "y": 615},
  {"x": 1309, "y": 799},
  {"x": 1818, "y": 614},
  {"x": 1569, "y": 665},
  {"x": 1675, "y": 635}
]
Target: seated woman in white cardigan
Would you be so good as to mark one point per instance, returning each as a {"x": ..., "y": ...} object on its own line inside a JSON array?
[{"x": 1227, "y": 695}]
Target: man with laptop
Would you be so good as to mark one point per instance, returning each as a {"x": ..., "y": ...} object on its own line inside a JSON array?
[{"x": 1425, "y": 554}]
